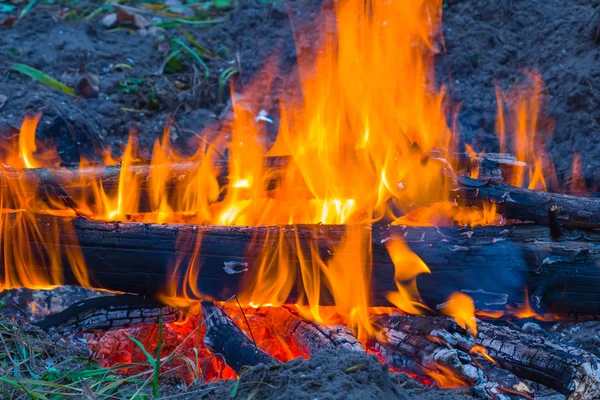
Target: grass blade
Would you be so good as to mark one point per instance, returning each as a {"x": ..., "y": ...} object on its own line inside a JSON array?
[
  {"x": 184, "y": 46},
  {"x": 27, "y": 8},
  {"x": 151, "y": 359},
  {"x": 42, "y": 78}
]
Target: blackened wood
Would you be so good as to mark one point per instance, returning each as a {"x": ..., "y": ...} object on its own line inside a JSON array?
[
  {"x": 493, "y": 265},
  {"x": 105, "y": 313},
  {"x": 223, "y": 337},
  {"x": 571, "y": 371},
  {"x": 530, "y": 205},
  {"x": 438, "y": 346},
  {"x": 504, "y": 384},
  {"x": 427, "y": 341},
  {"x": 309, "y": 337}
]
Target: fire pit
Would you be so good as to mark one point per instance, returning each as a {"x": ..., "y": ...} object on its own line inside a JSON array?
[{"x": 367, "y": 229}]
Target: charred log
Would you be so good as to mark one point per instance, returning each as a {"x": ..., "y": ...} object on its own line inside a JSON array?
[
  {"x": 106, "y": 313},
  {"x": 427, "y": 341},
  {"x": 310, "y": 337},
  {"x": 530, "y": 205},
  {"x": 493, "y": 265},
  {"x": 439, "y": 347},
  {"x": 223, "y": 337},
  {"x": 571, "y": 371}
]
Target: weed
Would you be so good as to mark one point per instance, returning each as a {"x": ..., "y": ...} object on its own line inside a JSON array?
[
  {"x": 130, "y": 85},
  {"x": 194, "y": 54},
  {"x": 223, "y": 79}
]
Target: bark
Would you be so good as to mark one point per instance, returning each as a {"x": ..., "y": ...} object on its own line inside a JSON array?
[
  {"x": 223, "y": 337},
  {"x": 106, "y": 313},
  {"x": 494, "y": 265}
]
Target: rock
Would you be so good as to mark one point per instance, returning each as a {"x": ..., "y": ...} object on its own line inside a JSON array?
[
  {"x": 109, "y": 20},
  {"x": 88, "y": 86}
]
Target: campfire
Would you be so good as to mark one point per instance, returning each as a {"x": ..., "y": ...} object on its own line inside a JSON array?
[{"x": 366, "y": 225}]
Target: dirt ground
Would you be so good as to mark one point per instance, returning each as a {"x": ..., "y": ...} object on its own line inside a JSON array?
[{"x": 485, "y": 42}]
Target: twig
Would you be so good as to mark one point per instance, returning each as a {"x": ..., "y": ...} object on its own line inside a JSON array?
[{"x": 247, "y": 323}]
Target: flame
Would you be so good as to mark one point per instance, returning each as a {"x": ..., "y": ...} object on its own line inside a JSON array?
[
  {"x": 577, "y": 184},
  {"x": 524, "y": 120},
  {"x": 461, "y": 307},
  {"x": 526, "y": 311},
  {"x": 445, "y": 377},
  {"x": 482, "y": 352},
  {"x": 407, "y": 266}
]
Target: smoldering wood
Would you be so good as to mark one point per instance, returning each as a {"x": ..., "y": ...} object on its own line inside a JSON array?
[
  {"x": 309, "y": 337},
  {"x": 225, "y": 338},
  {"x": 571, "y": 371},
  {"x": 494, "y": 265},
  {"x": 100, "y": 314},
  {"x": 423, "y": 345}
]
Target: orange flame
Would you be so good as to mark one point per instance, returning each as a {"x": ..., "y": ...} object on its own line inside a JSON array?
[
  {"x": 407, "y": 266},
  {"x": 523, "y": 120},
  {"x": 461, "y": 307}
]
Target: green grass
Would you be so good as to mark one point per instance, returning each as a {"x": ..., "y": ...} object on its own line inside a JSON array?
[{"x": 42, "y": 78}]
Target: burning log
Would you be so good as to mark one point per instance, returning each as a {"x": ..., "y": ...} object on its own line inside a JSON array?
[
  {"x": 433, "y": 346},
  {"x": 493, "y": 265},
  {"x": 531, "y": 205},
  {"x": 571, "y": 371},
  {"x": 106, "y": 313},
  {"x": 225, "y": 338},
  {"x": 434, "y": 341},
  {"x": 66, "y": 184},
  {"x": 309, "y": 337}
]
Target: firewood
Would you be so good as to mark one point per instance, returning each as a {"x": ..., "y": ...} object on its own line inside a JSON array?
[
  {"x": 516, "y": 203},
  {"x": 223, "y": 337},
  {"x": 494, "y": 265},
  {"x": 571, "y": 371},
  {"x": 310, "y": 337},
  {"x": 99, "y": 314},
  {"x": 434, "y": 345},
  {"x": 530, "y": 205}
]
